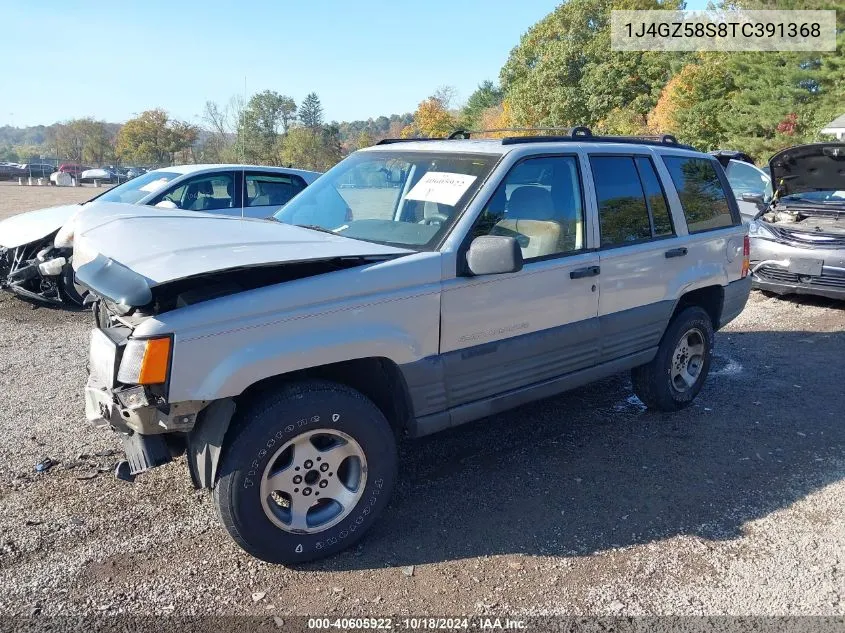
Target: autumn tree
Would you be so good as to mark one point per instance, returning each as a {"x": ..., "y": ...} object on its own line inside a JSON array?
[
  {"x": 432, "y": 119},
  {"x": 154, "y": 138}
]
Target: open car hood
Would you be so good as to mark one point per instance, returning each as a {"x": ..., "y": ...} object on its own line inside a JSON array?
[
  {"x": 34, "y": 225},
  {"x": 123, "y": 251},
  {"x": 804, "y": 168}
]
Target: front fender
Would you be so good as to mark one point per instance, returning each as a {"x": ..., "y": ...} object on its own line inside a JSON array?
[{"x": 250, "y": 365}]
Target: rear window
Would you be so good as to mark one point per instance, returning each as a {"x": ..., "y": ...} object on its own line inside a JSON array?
[{"x": 703, "y": 199}]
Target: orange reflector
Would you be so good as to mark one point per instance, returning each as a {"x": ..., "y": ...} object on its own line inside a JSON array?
[
  {"x": 746, "y": 256},
  {"x": 156, "y": 359}
]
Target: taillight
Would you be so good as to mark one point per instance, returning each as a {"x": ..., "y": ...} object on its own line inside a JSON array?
[{"x": 746, "y": 256}]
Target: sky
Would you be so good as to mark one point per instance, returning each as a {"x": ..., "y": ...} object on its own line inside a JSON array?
[{"x": 364, "y": 58}]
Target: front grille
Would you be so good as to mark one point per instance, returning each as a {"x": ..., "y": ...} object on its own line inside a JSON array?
[
  {"x": 806, "y": 239},
  {"x": 776, "y": 274}
]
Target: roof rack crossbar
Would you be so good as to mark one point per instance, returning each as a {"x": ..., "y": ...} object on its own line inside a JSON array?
[{"x": 391, "y": 141}]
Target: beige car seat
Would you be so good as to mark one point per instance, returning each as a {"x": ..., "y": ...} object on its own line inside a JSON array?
[{"x": 529, "y": 210}]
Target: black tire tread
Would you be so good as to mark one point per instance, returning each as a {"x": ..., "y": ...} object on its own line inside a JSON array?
[
  {"x": 649, "y": 382},
  {"x": 258, "y": 407}
]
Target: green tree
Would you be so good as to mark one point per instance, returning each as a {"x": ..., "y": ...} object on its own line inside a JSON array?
[
  {"x": 563, "y": 71},
  {"x": 487, "y": 95},
  {"x": 309, "y": 148},
  {"x": 311, "y": 111}
]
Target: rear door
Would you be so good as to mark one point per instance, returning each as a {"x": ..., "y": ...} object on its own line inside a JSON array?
[
  {"x": 503, "y": 332},
  {"x": 640, "y": 254}
]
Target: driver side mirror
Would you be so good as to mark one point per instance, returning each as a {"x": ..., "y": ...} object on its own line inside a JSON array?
[
  {"x": 756, "y": 198},
  {"x": 494, "y": 255},
  {"x": 166, "y": 204}
]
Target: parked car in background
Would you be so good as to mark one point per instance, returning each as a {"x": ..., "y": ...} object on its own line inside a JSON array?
[
  {"x": 38, "y": 170},
  {"x": 751, "y": 185},
  {"x": 798, "y": 238},
  {"x": 36, "y": 247},
  {"x": 103, "y": 174},
  {"x": 285, "y": 358},
  {"x": 134, "y": 172},
  {"x": 73, "y": 169}
]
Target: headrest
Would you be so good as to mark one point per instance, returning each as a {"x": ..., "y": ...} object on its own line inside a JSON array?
[{"x": 530, "y": 202}]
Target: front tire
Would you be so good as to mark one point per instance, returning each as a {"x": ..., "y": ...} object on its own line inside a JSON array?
[
  {"x": 71, "y": 293},
  {"x": 306, "y": 473},
  {"x": 672, "y": 380}
]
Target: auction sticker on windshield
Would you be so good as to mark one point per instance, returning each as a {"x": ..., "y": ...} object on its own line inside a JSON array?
[{"x": 441, "y": 187}]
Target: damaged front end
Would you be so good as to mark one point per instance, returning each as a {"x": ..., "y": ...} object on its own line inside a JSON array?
[
  {"x": 799, "y": 250},
  {"x": 40, "y": 272}
]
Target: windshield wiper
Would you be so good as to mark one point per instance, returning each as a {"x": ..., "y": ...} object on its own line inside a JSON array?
[{"x": 316, "y": 227}]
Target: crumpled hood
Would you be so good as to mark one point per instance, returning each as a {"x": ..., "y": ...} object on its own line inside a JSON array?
[
  {"x": 803, "y": 168},
  {"x": 153, "y": 246},
  {"x": 34, "y": 225}
]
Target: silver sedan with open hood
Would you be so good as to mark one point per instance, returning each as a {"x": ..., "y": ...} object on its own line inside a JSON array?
[{"x": 798, "y": 241}]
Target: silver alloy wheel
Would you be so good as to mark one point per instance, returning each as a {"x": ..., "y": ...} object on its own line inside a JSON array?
[
  {"x": 687, "y": 360},
  {"x": 313, "y": 481}
]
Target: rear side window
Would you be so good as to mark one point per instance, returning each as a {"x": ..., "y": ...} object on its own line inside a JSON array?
[
  {"x": 702, "y": 197},
  {"x": 272, "y": 190},
  {"x": 656, "y": 199},
  {"x": 632, "y": 207}
]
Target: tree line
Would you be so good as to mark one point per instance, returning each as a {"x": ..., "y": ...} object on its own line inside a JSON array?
[{"x": 562, "y": 73}]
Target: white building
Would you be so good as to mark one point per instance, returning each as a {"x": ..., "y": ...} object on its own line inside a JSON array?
[{"x": 836, "y": 128}]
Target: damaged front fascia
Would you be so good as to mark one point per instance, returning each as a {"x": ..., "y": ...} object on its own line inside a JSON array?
[{"x": 125, "y": 289}]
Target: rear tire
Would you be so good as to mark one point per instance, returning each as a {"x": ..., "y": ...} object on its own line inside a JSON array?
[
  {"x": 287, "y": 448},
  {"x": 672, "y": 380}
]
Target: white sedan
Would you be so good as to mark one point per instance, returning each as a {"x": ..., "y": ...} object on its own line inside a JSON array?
[{"x": 36, "y": 247}]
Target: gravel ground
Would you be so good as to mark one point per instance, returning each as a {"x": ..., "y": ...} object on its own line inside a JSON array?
[
  {"x": 581, "y": 504},
  {"x": 15, "y": 198}
]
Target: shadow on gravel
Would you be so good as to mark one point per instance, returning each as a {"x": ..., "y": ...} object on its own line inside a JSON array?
[{"x": 591, "y": 470}]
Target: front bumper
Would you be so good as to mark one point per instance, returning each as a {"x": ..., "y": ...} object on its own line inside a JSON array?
[
  {"x": 152, "y": 430},
  {"x": 786, "y": 269}
]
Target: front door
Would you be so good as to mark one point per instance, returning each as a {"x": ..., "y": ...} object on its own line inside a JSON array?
[{"x": 502, "y": 332}]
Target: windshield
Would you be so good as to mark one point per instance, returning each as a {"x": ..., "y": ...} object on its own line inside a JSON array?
[
  {"x": 401, "y": 198},
  {"x": 133, "y": 190}
]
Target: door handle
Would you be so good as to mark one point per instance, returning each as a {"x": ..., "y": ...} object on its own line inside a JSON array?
[
  {"x": 589, "y": 271},
  {"x": 676, "y": 252}
]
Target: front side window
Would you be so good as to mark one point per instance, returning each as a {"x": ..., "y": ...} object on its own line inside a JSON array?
[
  {"x": 539, "y": 203},
  {"x": 702, "y": 197},
  {"x": 399, "y": 197},
  {"x": 265, "y": 190},
  {"x": 209, "y": 192}
]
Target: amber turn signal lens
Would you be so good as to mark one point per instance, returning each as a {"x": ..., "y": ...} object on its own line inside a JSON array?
[{"x": 156, "y": 360}]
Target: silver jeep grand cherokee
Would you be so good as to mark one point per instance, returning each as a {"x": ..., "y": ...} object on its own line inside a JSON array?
[{"x": 414, "y": 287}]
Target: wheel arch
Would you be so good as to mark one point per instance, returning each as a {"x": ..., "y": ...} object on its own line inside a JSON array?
[
  {"x": 709, "y": 298},
  {"x": 377, "y": 378}
]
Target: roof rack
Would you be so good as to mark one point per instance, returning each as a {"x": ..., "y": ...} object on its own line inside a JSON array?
[
  {"x": 391, "y": 141},
  {"x": 575, "y": 134}
]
